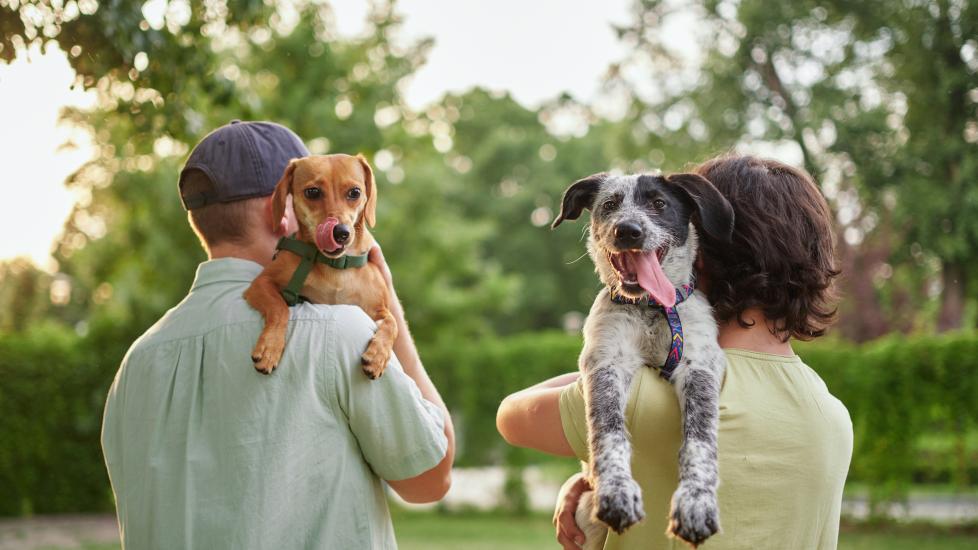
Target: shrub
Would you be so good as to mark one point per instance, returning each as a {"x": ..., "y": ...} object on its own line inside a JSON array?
[
  {"x": 899, "y": 391},
  {"x": 913, "y": 401},
  {"x": 51, "y": 408}
]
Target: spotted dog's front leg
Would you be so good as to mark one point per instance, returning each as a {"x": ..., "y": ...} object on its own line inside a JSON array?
[
  {"x": 695, "y": 512},
  {"x": 609, "y": 368}
]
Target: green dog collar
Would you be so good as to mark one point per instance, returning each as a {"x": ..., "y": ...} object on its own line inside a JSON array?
[{"x": 309, "y": 255}]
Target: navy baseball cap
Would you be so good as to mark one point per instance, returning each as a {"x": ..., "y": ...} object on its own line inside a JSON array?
[{"x": 239, "y": 160}]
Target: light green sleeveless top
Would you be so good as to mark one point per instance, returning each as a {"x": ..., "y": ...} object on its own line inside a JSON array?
[{"x": 785, "y": 445}]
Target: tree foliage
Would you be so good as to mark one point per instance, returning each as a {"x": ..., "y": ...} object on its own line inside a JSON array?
[{"x": 879, "y": 100}]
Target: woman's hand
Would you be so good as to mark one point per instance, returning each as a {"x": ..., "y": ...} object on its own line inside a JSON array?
[{"x": 569, "y": 535}]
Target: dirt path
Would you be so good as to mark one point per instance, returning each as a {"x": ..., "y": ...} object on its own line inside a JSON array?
[{"x": 58, "y": 532}]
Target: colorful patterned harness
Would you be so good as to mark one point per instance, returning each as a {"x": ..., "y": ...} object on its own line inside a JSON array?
[{"x": 672, "y": 318}]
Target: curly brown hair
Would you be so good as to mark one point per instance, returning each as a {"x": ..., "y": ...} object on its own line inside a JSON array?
[{"x": 782, "y": 258}]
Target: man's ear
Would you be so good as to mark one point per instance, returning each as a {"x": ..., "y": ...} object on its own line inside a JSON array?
[
  {"x": 714, "y": 213},
  {"x": 282, "y": 190},
  {"x": 370, "y": 210},
  {"x": 578, "y": 196}
]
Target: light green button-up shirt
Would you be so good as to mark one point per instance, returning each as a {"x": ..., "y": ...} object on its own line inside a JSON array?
[{"x": 205, "y": 452}]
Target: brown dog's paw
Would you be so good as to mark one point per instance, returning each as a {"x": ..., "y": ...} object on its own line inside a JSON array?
[
  {"x": 267, "y": 353},
  {"x": 374, "y": 361}
]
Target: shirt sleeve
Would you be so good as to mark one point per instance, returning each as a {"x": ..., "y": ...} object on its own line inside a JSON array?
[
  {"x": 573, "y": 418},
  {"x": 400, "y": 433}
]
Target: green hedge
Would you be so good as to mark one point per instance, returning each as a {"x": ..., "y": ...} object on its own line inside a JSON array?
[
  {"x": 51, "y": 398},
  {"x": 913, "y": 401}
]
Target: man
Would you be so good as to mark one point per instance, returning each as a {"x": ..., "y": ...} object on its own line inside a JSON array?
[
  {"x": 784, "y": 441},
  {"x": 205, "y": 452}
]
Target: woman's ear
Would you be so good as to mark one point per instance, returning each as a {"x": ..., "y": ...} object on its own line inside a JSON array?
[
  {"x": 370, "y": 210},
  {"x": 282, "y": 190},
  {"x": 578, "y": 196},
  {"x": 715, "y": 216}
]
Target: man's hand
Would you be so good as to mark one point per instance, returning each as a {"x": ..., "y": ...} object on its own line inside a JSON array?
[
  {"x": 569, "y": 535},
  {"x": 376, "y": 257},
  {"x": 431, "y": 485}
]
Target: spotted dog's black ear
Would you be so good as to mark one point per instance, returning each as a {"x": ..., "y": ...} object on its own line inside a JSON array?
[
  {"x": 715, "y": 215},
  {"x": 579, "y": 196}
]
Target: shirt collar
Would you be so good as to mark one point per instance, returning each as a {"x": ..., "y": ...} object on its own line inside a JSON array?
[{"x": 226, "y": 270}]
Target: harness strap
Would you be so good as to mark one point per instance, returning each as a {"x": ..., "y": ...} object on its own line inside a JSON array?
[
  {"x": 309, "y": 255},
  {"x": 672, "y": 319}
]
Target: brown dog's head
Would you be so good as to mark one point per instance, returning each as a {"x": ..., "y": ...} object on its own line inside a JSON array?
[{"x": 333, "y": 196}]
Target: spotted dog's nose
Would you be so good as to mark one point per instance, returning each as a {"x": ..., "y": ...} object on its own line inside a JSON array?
[
  {"x": 341, "y": 233},
  {"x": 629, "y": 235}
]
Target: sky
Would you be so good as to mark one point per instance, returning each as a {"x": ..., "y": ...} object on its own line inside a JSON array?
[{"x": 533, "y": 49}]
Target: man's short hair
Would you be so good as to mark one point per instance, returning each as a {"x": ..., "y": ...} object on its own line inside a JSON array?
[
  {"x": 223, "y": 222},
  {"x": 782, "y": 259}
]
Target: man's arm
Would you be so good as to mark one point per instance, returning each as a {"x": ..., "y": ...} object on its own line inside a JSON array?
[
  {"x": 531, "y": 417},
  {"x": 431, "y": 485}
]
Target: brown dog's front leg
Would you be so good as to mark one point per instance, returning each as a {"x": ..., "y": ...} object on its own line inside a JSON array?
[
  {"x": 379, "y": 350},
  {"x": 264, "y": 296}
]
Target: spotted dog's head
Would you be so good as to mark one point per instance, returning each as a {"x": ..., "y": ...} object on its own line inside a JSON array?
[{"x": 643, "y": 228}]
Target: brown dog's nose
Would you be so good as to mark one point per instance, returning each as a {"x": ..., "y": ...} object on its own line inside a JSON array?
[{"x": 341, "y": 233}]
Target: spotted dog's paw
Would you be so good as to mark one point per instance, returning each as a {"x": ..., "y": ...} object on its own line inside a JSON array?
[
  {"x": 619, "y": 503},
  {"x": 695, "y": 514}
]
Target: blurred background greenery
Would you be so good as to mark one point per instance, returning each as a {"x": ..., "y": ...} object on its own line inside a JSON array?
[{"x": 878, "y": 99}]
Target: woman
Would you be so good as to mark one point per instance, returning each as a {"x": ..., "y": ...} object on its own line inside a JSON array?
[{"x": 784, "y": 441}]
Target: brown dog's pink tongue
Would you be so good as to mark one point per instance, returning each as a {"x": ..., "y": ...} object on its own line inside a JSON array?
[
  {"x": 651, "y": 277},
  {"x": 324, "y": 235}
]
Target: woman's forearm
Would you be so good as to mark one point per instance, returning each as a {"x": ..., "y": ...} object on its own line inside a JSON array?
[{"x": 531, "y": 417}]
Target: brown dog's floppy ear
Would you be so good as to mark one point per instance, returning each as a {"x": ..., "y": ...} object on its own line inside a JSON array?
[
  {"x": 579, "y": 196},
  {"x": 282, "y": 190},
  {"x": 370, "y": 210},
  {"x": 715, "y": 215}
]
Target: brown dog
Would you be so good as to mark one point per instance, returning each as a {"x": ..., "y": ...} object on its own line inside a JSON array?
[{"x": 335, "y": 199}]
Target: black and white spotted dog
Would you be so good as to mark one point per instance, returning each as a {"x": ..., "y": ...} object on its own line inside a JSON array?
[{"x": 643, "y": 241}]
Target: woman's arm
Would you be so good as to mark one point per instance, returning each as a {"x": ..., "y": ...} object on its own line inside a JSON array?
[{"x": 531, "y": 418}]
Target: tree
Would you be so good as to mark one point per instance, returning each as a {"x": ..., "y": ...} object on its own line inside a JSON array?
[
  {"x": 873, "y": 97},
  {"x": 161, "y": 85}
]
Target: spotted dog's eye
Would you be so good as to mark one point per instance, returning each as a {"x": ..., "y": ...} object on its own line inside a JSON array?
[
  {"x": 313, "y": 193},
  {"x": 659, "y": 203},
  {"x": 353, "y": 194},
  {"x": 609, "y": 204}
]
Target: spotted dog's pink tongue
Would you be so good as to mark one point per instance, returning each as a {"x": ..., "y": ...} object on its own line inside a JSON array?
[
  {"x": 324, "y": 235},
  {"x": 650, "y": 276}
]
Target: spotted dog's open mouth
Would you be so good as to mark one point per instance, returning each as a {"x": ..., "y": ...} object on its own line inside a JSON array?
[{"x": 640, "y": 272}]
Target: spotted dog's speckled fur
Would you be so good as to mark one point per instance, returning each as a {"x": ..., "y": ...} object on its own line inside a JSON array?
[{"x": 622, "y": 338}]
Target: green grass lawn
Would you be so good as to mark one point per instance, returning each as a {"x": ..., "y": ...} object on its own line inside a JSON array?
[
  {"x": 417, "y": 531},
  {"x": 904, "y": 541},
  {"x": 477, "y": 531}
]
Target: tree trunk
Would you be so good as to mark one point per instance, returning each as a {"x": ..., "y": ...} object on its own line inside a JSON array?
[
  {"x": 952, "y": 297},
  {"x": 861, "y": 314}
]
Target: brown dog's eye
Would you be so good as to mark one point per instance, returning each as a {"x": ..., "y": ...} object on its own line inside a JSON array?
[
  {"x": 659, "y": 203},
  {"x": 353, "y": 194},
  {"x": 313, "y": 193},
  {"x": 610, "y": 204}
]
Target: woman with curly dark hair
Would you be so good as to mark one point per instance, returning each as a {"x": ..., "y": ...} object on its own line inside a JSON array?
[{"x": 784, "y": 441}]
